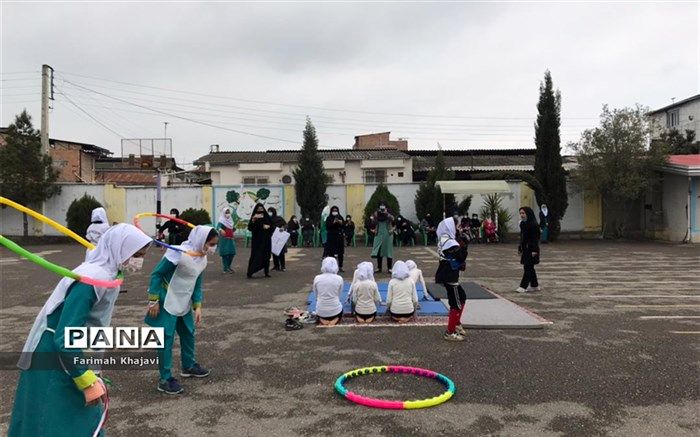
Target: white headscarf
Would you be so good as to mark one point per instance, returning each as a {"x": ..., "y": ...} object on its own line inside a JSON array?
[
  {"x": 99, "y": 215},
  {"x": 329, "y": 265},
  {"x": 544, "y": 209},
  {"x": 228, "y": 222},
  {"x": 411, "y": 265},
  {"x": 195, "y": 243},
  {"x": 399, "y": 270},
  {"x": 365, "y": 271},
  {"x": 446, "y": 232},
  {"x": 117, "y": 245}
]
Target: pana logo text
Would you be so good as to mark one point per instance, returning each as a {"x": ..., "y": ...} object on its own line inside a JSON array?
[{"x": 144, "y": 337}]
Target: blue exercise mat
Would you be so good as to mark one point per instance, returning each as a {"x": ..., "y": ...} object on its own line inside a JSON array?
[{"x": 427, "y": 307}]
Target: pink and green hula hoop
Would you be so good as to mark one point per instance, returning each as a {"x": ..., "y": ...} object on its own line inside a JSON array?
[
  {"x": 137, "y": 223},
  {"x": 395, "y": 405}
]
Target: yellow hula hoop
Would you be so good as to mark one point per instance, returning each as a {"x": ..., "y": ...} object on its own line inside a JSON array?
[{"x": 42, "y": 218}]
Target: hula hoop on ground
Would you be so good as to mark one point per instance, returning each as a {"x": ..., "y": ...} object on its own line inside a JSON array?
[
  {"x": 395, "y": 405},
  {"x": 59, "y": 269},
  {"x": 137, "y": 223},
  {"x": 42, "y": 218}
]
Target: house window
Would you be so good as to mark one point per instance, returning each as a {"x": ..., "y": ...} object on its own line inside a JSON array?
[
  {"x": 256, "y": 180},
  {"x": 673, "y": 118},
  {"x": 375, "y": 176},
  {"x": 400, "y": 174}
]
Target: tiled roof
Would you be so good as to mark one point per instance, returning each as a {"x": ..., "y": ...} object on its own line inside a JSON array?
[
  {"x": 675, "y": 104},
  {"x": 467, "y": 159},
  {"x": 126, "y": 177},
  {"x": 685, "y": 160},
  {"x": 293, "y": 155}
]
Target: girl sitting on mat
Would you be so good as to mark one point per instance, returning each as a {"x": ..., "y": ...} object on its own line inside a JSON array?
[
  {"x": 401, "y": 298},
  {"x": 328, "y": 287},
  {"x": 416, "y": 275},
  {"x": 175, "y": 303},
  {"x": 364, "y": 293}
]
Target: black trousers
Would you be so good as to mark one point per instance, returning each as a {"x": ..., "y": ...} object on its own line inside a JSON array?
[
  {"x": 278, "y": 261},
  {"x": 529, "y": 276},
  {"x": 389, "y": 263},
  {"x": 456, "y": 296}
]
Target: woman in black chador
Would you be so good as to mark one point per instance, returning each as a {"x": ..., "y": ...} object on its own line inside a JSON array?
[
  {"x": 335, "y": 242},
  {"x": 260, "y": 227},
  {"x": 529, "y": 249}
]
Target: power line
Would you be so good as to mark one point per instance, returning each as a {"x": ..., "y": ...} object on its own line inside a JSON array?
[
  {"x": 312, "y": 107},
  {"x": 366, "y": 124},
  {"x": 189, "y": 119},
  {"x": 92, "y": 117}
]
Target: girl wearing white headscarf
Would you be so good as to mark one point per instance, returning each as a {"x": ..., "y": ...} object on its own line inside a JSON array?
[
  {"x": 176, "y": 285},
  {"x": 227, "y": 244},
  {"x": 364, "y": 293},
  {"x": 416, "y": 275},
  {"x": 401, "y": 298},
  {"x": 328, "y": 286},
  {"x": 66, "y": 402},
  {"x": 453, "y": 258},
  {"x": 98, "y": 225}
]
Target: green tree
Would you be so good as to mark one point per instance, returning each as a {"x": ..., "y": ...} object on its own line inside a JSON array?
[
  {"x": 78, "y": 216},
  {"x": 679, "y": 144},
  {"x": 381, "y": 194},
  {"x": 196, "y": 217},
  {"x": 26, "y": 175},
  {"x": 429, "y": 197},
  {"x": 616, "y": 161},
  {"x": 464, "y": 205},
  {"x": 310, "y": 179},
  {"x": 548, "y": 165},
  {"x": 493, "y": 209}
]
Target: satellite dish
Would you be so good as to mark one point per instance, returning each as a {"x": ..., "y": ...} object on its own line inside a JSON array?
[{"x": 286, "y": 179}]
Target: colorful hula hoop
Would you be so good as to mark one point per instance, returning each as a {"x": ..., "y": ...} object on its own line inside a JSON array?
[
  {"x": 42, "y": 218},
  {"x": 395, "y": 405},
  {"x": 137, "y": 223},
  {"x": 56, "y": 268}
]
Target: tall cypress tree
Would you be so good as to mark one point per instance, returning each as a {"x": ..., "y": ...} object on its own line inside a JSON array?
[
  {"x": 309, "y": 177},
  {"x": 548, "y": 167}
]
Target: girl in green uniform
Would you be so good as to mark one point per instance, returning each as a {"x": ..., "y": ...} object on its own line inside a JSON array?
[
  {"x": 55, "y": 396},
  {"x": 175, "y": 304},
  {"x": 227, "y": 244},
  {"x": 383, "y": 237}
]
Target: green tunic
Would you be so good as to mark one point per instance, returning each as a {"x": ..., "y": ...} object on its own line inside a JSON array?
[
  {"x": 184, "y": 325},
  {"x": 226, "y": 246},
  {"x": 383, "y": 241},
  {"x": 50, "y": 402}
]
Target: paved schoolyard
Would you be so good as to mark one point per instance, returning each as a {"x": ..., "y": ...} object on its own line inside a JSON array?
[{"x": 620, "y": 359}]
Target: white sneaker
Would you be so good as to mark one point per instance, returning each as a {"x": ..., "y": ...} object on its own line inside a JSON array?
[
  {"x": 452, "y": 337},
  {"x": 534, "y": 289},
  {"x": 520, "y": 290},
  {"x": 460, "y": 330}
]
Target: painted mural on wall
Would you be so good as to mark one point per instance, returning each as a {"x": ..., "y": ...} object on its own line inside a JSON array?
[{"x": 242, "y": 201}]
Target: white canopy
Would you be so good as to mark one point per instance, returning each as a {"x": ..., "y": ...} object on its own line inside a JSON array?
[{"x": 473, "y": 187}]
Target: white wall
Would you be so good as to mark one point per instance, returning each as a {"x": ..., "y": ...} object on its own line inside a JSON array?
[
  {"x": 573, "y": 218},
  {"x": 675, "y": 199}
]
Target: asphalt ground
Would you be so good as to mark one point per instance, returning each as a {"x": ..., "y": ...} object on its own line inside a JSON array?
[{"x": 621, "y": 357}]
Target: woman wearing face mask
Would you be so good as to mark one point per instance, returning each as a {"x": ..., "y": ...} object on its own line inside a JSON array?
[
  {"x": 260, "y": 227},
  {"x": 383, "y": 237},
  {"x": 279, "y": 262},
  {"x": 529, "y": 249},
  {"x": 227, "y": 243},
  {"x": 66, "y": 402},
  {"x": 175, "y": 304},
  {"x": 175, "y": 229},
  {"x": 293, "y": 229},
  {"x": 349, "y": 230},
  {"x": 335, "y": 241}
]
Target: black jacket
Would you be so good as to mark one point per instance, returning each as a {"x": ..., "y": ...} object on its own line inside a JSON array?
[{"x": 529, "y": 242}]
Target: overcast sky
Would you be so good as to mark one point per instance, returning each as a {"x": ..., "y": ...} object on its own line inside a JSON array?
[{"x": 465, "y": 75}]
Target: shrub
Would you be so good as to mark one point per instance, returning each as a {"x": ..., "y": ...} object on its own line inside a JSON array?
[
  {"x": 382, "y": 193},
  {"x": 494, "y": 209},
  {"x": 80, "y": 212},
  {"x": 196, "y": 217}
]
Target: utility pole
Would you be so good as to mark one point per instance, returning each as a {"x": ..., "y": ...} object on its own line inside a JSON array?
[{"x": 46, "y": 95}]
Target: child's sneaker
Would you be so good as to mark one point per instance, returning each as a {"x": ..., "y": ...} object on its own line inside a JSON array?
[
  {"x": 452, "y": 337},
  {"x": 197, "y": 371},
  {"x": 520, "y": 290},
  {"x": 170, "y": 386},
  {"x": 460, "y": 330}
]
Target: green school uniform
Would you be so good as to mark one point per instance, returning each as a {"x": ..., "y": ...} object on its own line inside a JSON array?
[
  {"x": 383, "y": 241},
  {"x": 184, "y": 325},
  {"x": 51, "y": 402},
  {"x": 226, "y": 246}
]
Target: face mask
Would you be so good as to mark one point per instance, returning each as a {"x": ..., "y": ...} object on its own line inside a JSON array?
[
  {"x": 334, "y": 213},
  {"x": 382, "y": 208},
  {"x": 133, "y": 265},
  {"x": 211, "y": 250}
]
